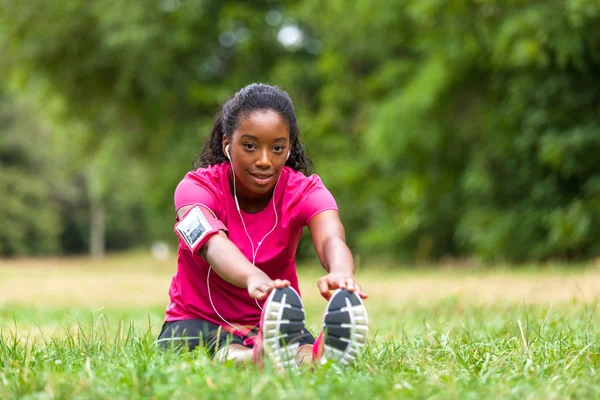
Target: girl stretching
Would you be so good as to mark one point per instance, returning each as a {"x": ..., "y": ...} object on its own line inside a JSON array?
[{"x": 240, "y": 216}]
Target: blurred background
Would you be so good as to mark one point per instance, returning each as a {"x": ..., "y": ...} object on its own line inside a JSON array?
[{"x": 446, "y": 130}]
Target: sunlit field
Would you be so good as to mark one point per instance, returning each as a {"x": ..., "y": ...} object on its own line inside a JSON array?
[{"x": 73, "y": 328}]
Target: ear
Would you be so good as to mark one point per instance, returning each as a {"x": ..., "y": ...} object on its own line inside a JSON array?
[{"x": 224, "y": 143}]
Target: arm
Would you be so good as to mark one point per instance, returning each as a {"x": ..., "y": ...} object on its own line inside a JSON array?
[
  {"x": 329, "y": 240},
  {"x": 228, "y": 261}
]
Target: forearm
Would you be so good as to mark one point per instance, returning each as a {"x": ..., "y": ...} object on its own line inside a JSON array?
[
  {"x": 336, "y": 256},
  {"x": 228, "y": 261}
]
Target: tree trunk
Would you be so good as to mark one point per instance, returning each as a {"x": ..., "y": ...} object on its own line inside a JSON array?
[{"x": 97, "y": 230}]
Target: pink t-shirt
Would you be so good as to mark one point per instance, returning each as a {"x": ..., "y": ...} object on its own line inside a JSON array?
[{"x": 297, "y": 199}]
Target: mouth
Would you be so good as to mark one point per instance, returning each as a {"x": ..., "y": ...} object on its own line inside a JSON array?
[{"x": 262, "y": 179}]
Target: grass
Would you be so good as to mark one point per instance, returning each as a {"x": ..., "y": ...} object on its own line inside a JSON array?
[{"x": 77, "y": 329}]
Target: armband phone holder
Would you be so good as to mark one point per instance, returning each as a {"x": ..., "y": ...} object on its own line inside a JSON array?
[{"x": 195, "y": 228}]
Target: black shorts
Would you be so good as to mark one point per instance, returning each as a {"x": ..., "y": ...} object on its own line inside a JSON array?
[{"x": 191, "y": 333}]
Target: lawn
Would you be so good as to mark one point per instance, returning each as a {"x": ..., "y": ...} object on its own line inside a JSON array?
[{"x": 73, "y": 328}]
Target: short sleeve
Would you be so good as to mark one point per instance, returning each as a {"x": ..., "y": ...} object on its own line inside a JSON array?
[
  {"x": 315, "y": 199},
  {"x": 195, "y": 189}
]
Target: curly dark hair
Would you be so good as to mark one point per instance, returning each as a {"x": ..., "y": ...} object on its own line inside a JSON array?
[{"x": 256, "y": 96}]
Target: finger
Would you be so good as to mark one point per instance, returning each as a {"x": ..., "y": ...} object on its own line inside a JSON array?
[
  {"x": 350, "y": 284},
  {"x": 262, "y": 292},
  {"x": 263, "y": 289},
  {"x": 258, "y": 294},
  {"x": 324, "y": 288},
  {"x": 281, "y": 283},
  {"x": 360, "y": 292}
]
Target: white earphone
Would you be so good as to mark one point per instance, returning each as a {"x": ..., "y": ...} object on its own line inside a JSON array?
[
  {"x": 254, "y": 249},
  {"x": 229, "y": 155}
]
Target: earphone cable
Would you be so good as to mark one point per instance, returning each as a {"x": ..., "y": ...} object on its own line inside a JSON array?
[{"x": 254, "y": 251}]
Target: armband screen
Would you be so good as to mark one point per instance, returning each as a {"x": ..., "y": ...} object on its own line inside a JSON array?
[{"x": 195, "y": 228}]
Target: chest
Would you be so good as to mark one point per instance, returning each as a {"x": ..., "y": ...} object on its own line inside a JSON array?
[{"x": 270, "y": 243}]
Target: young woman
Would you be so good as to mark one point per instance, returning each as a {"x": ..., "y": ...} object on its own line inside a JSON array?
[{"x": 240, "y": 217}]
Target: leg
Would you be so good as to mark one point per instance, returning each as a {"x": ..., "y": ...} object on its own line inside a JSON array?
[
  {"x": 304, "y": 355},
  {"x": 284, "y": 338},
  {"x": 236, "y": 352},
  {"x": 182, "y": 335},
  {"x": 191, "y": 333}
]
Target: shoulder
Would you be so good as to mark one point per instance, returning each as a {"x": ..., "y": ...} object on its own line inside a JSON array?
[
  {"x": 300, "y": 184},
  {"x": 210, "y": 178},
  {"x": 213, "y": 174},
  {"x": 306, "y": 196},
  {"x": 204, "y": 185}
]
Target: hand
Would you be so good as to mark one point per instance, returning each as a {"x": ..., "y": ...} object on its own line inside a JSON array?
[
  {"x": 334, "y": 281},
  {"x": 260, "y": 287}
]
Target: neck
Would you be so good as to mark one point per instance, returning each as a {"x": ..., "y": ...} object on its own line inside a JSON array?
[{"x": 249, "y": 202}]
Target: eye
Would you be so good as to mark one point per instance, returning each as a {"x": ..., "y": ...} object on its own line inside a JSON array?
[
  {"x": 249, "y": 146},
  {"x": 278, "y": 149}
]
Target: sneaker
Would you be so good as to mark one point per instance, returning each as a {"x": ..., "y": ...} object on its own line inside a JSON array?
[
  {"x": 345, "y": 328},
  {"x": 282, "y": 323}
]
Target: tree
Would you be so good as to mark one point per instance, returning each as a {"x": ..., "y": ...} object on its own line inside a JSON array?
[
  {"x": 28, "y": 216},
  {"x": 477, "y": 123},
  {"x": 443, "y": 128},
  {"x": 143, "y": 78}
]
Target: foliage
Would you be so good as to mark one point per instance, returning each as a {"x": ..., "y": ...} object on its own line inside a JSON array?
[
  {"x": 28, "y": 217},
  {"x": 462, "y": 128},
  {"x": 477, "y": 124},
  {"x": 45, "y": 194}
]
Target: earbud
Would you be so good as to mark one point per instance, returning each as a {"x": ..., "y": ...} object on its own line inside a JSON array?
[{"x": 288, "y": 156}]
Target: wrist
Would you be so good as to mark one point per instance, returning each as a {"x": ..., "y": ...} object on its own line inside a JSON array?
[
  {"x": 341, "y": 270},
  {"x": 255, "y": 276}
]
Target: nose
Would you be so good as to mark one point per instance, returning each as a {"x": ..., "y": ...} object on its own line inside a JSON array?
[{"x": 263, "y": 160}]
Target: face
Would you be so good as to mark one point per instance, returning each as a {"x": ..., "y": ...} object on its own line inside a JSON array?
[{"x": 258, "y": 149}]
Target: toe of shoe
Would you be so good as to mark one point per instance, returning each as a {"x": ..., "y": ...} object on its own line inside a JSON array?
[
  {"x": 283, "y": 321},
  {"x": 345, "y": 325}
]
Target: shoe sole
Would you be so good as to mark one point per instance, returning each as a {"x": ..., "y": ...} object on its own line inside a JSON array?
[
  {"x": 345, "y": 328},
  {"x": 283, "y": 321}
]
